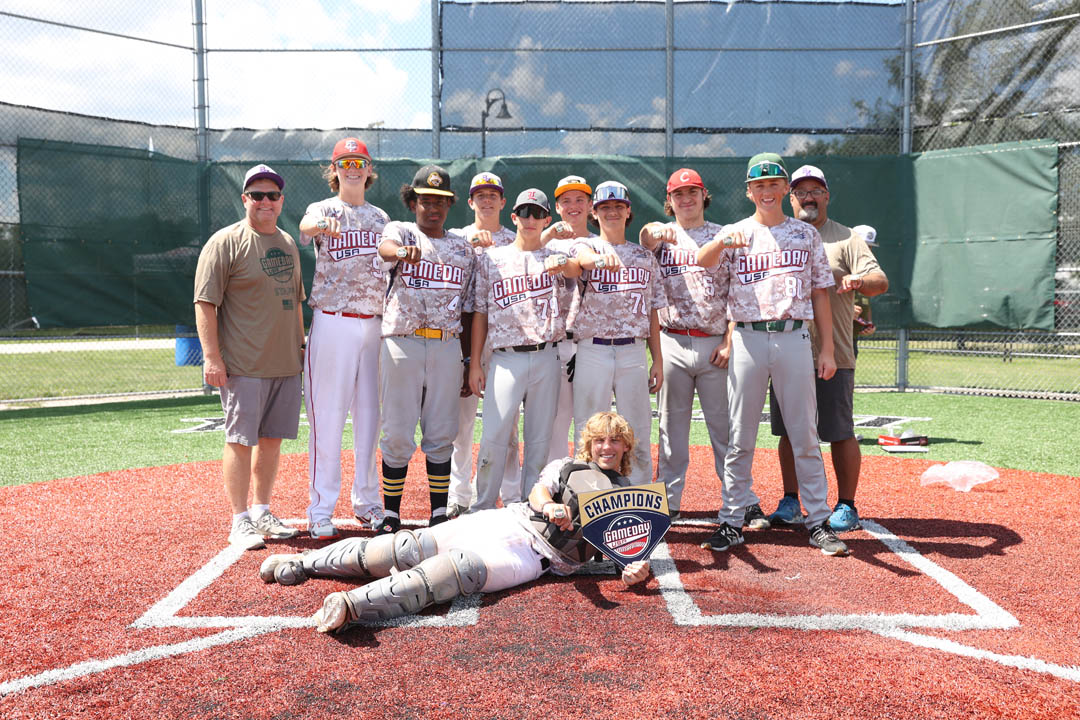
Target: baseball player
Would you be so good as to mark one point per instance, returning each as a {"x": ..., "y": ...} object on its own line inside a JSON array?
[
  {"x": 573, "y": 198},
  {"x": 342, "y": 364},
  {"x": 854, "y": 269},
  {"x": 616, "y": 307},
  {"x": 520, "y": 306},
  {"x": 429, "y": 288},
  {"x": 779, "y": 278},
  {"x": 693, "y": 332},
  {"x": 481, "y": 552},
  {"x": 486, "y": 198}
]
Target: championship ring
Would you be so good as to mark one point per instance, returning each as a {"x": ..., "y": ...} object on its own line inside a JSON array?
[
  {"x": 600, "y": 263},
  {"x": 322, "y": 224},
  {"x": 560, "y": 260},
  {"x": 402, "y": 252}
]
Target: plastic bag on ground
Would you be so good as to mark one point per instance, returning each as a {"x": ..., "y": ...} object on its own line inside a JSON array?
[{"x": 960, "y": 475}]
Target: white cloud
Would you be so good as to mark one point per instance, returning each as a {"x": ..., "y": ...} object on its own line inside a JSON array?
[
  {"x": 796, "y": 144},
  {"x": 843, "y": 68},
  {"x": 715, "y": 145}
]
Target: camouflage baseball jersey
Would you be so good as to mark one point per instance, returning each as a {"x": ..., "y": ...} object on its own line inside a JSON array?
[
  {"x": 772, "y": 279},
  {"x": 433, "y": 293},
  {"x": 524, "y": 304},
  {"x": 697, "y": 296},
  {"x": 349, "y": 274},
  {"x": 616, "y": 303},
  {"x": 502, "y": 236}
]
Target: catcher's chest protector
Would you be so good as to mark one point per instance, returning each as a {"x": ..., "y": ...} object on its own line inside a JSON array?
[{"x": 574, "y": 478}]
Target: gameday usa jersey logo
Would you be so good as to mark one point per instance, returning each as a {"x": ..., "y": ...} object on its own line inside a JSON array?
[
  {"x": 353, "y": 243},
  {"x": 678, "y": 261},
  {"x": 621, "y": 280},
  {"x": 754, "y": 267},
  {"x": 625, "y": 523},
  {"x": 517, "y": 288},
  {"x": 427, "y": 275}
]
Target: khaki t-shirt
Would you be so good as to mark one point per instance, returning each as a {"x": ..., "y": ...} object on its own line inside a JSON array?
[
  {"x": 848, "y": 255},
  {"x": 254, "y": 280}
]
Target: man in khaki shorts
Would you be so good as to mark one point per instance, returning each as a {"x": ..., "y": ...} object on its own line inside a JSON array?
[{"x": 248, "y": 294}]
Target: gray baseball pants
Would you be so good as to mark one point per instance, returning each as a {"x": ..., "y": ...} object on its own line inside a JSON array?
[
  {"x": 514, "y": 378},
  {"x": 786, "y": 358},
  {"x": 462, "y": 490},
  {"x": 686, "y": 368}
]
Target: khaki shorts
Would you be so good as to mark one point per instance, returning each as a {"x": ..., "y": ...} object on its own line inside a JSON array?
[{"x": 260, "y": 408}]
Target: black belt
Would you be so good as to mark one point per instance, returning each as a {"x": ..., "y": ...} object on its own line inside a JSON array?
[
  {"x": 544, "y": 564},
  {"x": 530, "y": 348},
  {"x": 770, "y": 325},
  {"x": 569, "y": 335},
  {"x": 614, "y": 341}
]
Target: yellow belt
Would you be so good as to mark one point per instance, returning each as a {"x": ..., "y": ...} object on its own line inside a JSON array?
[{"x": 433, "y": 334}]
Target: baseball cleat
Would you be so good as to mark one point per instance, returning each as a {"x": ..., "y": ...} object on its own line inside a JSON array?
[
  {"x": 334, "y": 613},
  {"x": 270, "y": 565},
  {"x": 454, "y": 510},
  {"x": 323, "y": 530},
  {"x": 755, "y": 519},
  {"x": 437, "y": 519},
  {"x": 824, "y": 538},
  {"x": 370, "y": 518},
  {"x": 389, "y": 525},
  {"x": 844, "y": 518},
  {"x": 271, "y": 527},
  {"x": 725, "y": 538},
  {"x": 788, "y": 512}
]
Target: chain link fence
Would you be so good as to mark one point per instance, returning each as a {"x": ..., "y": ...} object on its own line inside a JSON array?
[{"x": 211, "y": 83}]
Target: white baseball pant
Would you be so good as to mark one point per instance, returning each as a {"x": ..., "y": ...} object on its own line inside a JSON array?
[
  {"x": 564, "y": 412},
  {"x": 462, "y": 488}
]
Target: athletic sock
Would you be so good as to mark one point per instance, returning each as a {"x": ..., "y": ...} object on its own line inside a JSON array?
[
  {"x": 257, "y": 511},
  {"x": 239, "y": 516},
  {"x": 792, "y": 495},
  {"x": 438, "y": 485},
  {"x": 845, "y": 501},
  {"x": 393, "y": 485}
]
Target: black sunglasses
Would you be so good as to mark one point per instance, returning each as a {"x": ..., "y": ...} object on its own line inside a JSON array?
[
  {"x": 532, "y": 211},
  {"x": 258, "y": 195}
]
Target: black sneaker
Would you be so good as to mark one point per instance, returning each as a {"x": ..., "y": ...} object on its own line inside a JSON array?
[
  {"x": 823, "y": 537},
  {"x": 437, "y": 520},
  {"x": 725, "y": 538},
  {"x": 388, "y": 526},
  {"x": 755, "y": 519}
]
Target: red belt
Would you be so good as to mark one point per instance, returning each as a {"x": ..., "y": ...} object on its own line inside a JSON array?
[
  {"x": 694, "y": 333},
  {"x": 349, "y": 315}
]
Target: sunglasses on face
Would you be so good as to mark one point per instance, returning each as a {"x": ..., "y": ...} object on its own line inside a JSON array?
[
  {"x": 766, "y": 170},
  {"x": 258, "y": 195},
  {"x": 816, "y": 193},
  {"x": 532, "y": 211},
  {"x": 358, "y": 163}
]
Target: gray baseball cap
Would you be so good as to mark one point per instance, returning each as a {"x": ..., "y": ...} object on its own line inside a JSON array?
[{"x": 532, "y": 196}]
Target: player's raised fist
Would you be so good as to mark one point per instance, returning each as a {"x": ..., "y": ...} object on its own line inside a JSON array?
[
  {"x": 608, "y": 261},
  {"x": 409, "y": 254},
  {"x": 732, "y": 239},
  {"x": 559, "y": 231},
  {"x": 555, "y": 264},
  {"x": 659, "y": 233},
  {"x": 481, "y": 238},
  {"x": 329, "y": 226}
]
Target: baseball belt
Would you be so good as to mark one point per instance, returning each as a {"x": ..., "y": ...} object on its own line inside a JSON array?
[
  {"x": 614, "y": 341},
  {"x": 361, "y": 316},
  {"x": 433, "y": 334},
  {"x": 691, "y": 333},
  {"x": 771, "y": 325},
  {"x": 529, "y": 348}
]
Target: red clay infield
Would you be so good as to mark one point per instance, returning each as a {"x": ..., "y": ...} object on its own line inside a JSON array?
[{"x": 120, "y": 602}]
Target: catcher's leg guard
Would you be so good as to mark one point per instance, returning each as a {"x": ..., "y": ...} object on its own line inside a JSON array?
[
  {"x": 437, "y": 579},
  {"x": 343, "y": 559},
  {"x": 410, "y": 548}
]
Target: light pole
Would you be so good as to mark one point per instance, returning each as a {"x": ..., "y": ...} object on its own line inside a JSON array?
[
  {"x": 504, "y": 114},
  {"x": 378, "y": 136}
]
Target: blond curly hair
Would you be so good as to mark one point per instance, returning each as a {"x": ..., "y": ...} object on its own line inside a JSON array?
[{"x": 607, "y": 424}]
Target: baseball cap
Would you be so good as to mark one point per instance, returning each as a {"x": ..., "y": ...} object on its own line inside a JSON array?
[
  {"x": 432, "y": 180},
  {"x": 260, "y": 172},
  {"x": 684, "y": 177},
  {"x": 349, "y": 146},
  {"x": 532, "y": 196},
  {"x": 610, "y": 190},
  {"x": 765, "y": 165},
  {"x": 572, "y": 182},
  {"x": 485, "y": 180},
  {"x": 869, "y": 234},
  {"x": 808, "y": 172}
]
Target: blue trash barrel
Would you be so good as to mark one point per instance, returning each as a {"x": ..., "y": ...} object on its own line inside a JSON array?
[{"x": 188, "y": 349}]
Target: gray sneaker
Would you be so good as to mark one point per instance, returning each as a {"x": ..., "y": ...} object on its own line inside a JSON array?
[
  {"x": 823, "y": 537},
  {"x": 269, "y": 525},
  {"x": 245, "y": 535},
  {"x": 323, "y": 530},
  {"x": 370, "y": 518}
]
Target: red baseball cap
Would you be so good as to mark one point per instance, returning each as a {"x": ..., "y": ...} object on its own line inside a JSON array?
[
  {"x": 349, "y": 147},
  {"x": 684, "y": 177}
]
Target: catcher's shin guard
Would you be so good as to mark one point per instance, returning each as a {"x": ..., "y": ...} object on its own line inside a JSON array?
[{"x": 437, "y": 579}]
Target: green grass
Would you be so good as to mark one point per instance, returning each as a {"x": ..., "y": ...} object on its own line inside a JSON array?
[
  {"x": 40, "y": 444},
  {"x": 97, "y": 372}
]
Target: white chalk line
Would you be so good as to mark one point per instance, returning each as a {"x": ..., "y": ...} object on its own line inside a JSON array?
[{"x": 465, "y": 611}]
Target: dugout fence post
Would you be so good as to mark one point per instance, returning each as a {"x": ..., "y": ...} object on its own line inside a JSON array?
[
  {"x": 909, "y": 80},
  {"x": 902, "y": 359},
  {"x": 436, "y": 76},
  {"x": 669, "y": 104}
]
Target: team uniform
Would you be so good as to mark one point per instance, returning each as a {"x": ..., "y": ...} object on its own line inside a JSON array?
[
  {"x": 526, "y": 311},
  {"x": 692, "y": 327},
  {"x": 769, "y": 300},
  {"x": 486, "y": 552},
  {"x": 610, "y": 322},
  {"x": 342, "y": 362},
  {"x": 420, "y": 364},
  {"x": 461, "y": 460},
  {"x": 564, "y": 410}
]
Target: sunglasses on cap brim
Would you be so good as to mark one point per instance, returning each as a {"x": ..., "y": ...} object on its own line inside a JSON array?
[{"x": 766, "y": 170}]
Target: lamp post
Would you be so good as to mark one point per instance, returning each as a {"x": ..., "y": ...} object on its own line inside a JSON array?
[
  {"x": 495, "y": 95},
  {"x": 378, "y": 136}
]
